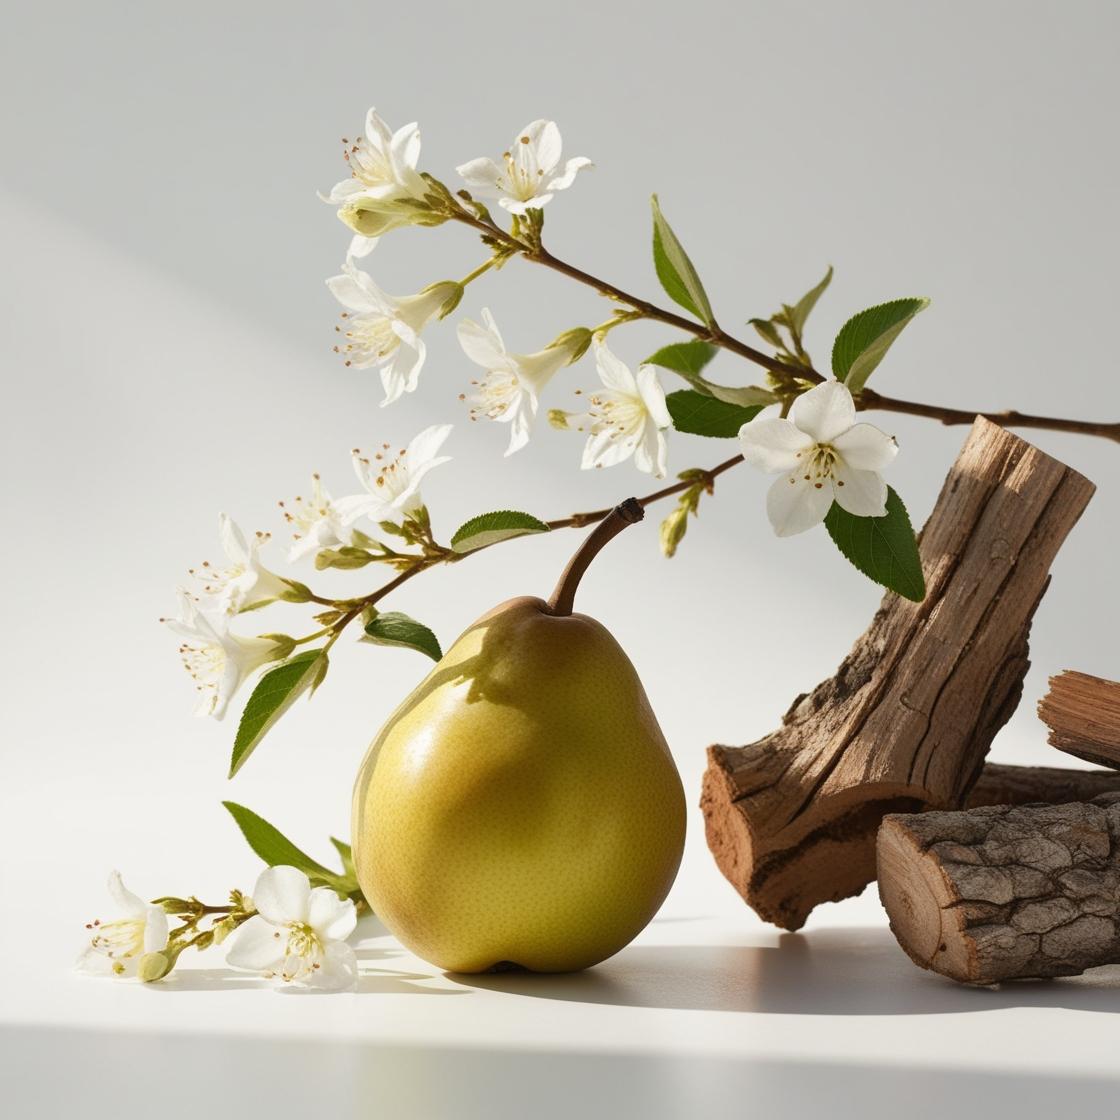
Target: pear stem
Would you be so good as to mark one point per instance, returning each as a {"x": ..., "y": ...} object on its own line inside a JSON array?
[{"x": 629, "y": 512}]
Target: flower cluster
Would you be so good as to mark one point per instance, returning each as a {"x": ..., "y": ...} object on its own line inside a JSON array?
[{"x": 286, "y": 931}]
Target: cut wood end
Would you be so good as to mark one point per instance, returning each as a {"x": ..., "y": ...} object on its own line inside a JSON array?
[
  {"x": 919, "y": 904},
  {"x": 1083, "y": 714}
]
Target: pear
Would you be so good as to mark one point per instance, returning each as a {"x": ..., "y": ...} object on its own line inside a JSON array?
[{"x": 521, "y": 809}]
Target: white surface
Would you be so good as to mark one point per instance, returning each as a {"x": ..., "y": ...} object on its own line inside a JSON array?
[{"x": 165, "y": 356}]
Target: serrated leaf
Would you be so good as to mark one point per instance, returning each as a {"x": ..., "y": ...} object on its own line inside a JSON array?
[
  {"x": 686, "y": 358},
  {"x": 799, "y": 313},
  {"x": 675, "y": 271},
  {"x": 883, "y": 548},
  {"x": 701, "y": 415},
  {"x": 489, "y": 528},
  {"x": 396, "y": 629},
  {"x": 275, "y": 693},
  {"x": 278, "y": 851},
  {"x": 865, "y": 338}
]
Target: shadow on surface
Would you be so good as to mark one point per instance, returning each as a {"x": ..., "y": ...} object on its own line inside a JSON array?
[
  {"x": 120, "y": 1074},
  {"x": 859, "y": 971}
]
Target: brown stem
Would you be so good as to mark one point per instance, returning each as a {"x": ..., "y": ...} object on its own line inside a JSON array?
[
  {"x": 629, "y": 512},
  {"x": 1011, "y": 418},
  {"x": 716, "y": 335}
]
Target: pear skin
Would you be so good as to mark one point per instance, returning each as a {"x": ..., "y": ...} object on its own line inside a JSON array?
[{"x": 521, "y": 808}]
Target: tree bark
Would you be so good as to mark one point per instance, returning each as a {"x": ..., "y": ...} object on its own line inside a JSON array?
[
  {"x": 907, "y": 720},
  {"x": 1083, "y": 714},
  {"x": 1024, "y": 785},
  {"x": 1005, "y": 892}
]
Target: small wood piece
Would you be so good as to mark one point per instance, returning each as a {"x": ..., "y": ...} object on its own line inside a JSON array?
[
  {"x": 1083, "y": 714},
  {"x": 1005, "y": 892},
  {"x": 907, "y": 720},
  {"x": 1024, "y": 785}
]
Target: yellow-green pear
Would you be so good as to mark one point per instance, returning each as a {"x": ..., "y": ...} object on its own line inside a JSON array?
[{"x": 521, "y": 807}]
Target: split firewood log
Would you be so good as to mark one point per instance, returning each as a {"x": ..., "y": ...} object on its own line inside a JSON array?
[
  {"x": 1000, "y": 784},
  {"x": 1005, "y": 892},
  {"x": 906, "y": 721},
  {"x": 1083, "y": 714}
]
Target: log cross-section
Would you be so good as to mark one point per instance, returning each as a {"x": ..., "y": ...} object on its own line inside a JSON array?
[
  {"x": 1005, "y": 892},
  {"x": 908, "y": 718}
]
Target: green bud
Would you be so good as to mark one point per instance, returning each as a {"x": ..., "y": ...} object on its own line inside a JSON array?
[
  {"x": 673, "y": 529},
  {"x": 283, "y": 645},
  {"x": 172, "y": 905},
  {"x": 347, "y": 558},
  {"x": 297, "y": 592},
  {"x": 455, "y": 295},
  {"x": 577, "y": 340},
  {"x": 154, "y": 966},
  {"x": 204, "y": 940},
  {"x": 768, "y": 331}
]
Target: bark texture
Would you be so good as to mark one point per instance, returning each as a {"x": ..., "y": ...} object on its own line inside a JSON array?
[
  {"x": 1005, "y": 892},
  {"x": 1083, "y": 714},
  {"x": 1023, "y": 785},
  {"x": 907, "y": 720}
]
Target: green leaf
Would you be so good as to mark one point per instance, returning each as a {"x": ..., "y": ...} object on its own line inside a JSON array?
[
  {"x": 865, "y": 338},
  {"x": 396, "y": 629},
  {"x": 675, "y": 271},
  {"x": 883, "y": 548},
  {"x": 686, "y": 358},
  {"x": 275, "y": 693},
  {"x": 278, "y": 851},
  {"x": 799, "y": 313},
  {"x": 767, "y": 331},
  {"x": 489, "y": 528},
  {"x": 705, "y": 416},
  {"x": 346, "y": 854}
]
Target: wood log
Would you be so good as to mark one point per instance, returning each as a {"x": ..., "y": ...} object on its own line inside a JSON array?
[
  {"x": 1083, "y": 714},
  {"x": 907, "y": 720},
  {"x": 1005, "y": 892},
  {"x": 1000, "y": 784}
]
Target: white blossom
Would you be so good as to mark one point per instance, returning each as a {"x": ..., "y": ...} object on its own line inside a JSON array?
[
  {"x": 298, "y": 934},
  {"x": 316, "y": 521},
  {"x": 218, "y": 662},
  {"x": 823, "y": 456},
  {"x": 382, "y": 168},
  {"x": 530, "y": 173},
  {"x": 383, "y": 330},
  {"x": 511, "y": 388},
  {"x": 245, "y": 582},
  {"x": 116, "y": 947},
  {"x": 627, "y": 417},
  {"x": 392, "y": 481}
]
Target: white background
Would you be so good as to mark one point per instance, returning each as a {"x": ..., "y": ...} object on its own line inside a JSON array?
[{"x": 166, "y": 355}]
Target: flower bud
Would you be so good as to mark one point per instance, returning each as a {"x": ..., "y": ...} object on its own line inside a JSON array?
[
  {"x": 282, "y": 646},
  {"x": 372, "y": 217},
  {"x": 673, "y": 529},
  {"x": 576, "y": 341},
  {"x": 154, "y": 966}
]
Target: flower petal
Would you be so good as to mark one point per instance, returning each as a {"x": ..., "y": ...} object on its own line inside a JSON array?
[
  {"x": 351, "y": 294},
  {"x": 424, "y": 447},
  {"x": 613, "y": 372},
  {"x": 155, "y": 929},
  {"x": 543, "y": 147},
  {"x": 825, "y": 411},
  {"x": 862, "y": 493},
  {"x": 652, "y": 451},
  {"x": 124, "y": 900},
  {"x": 331, "y": 917},
  {"x": 773, "y": 444},
  {"x": 361, "y": 246},
  {"x": 567, "y": 176},
  {"x": 794, "y": 505},
  {"x": 516, "y": 206},
  {"x": 865, "y": 448},
  {"x": 482, "y": 343},
  {"x": 603, "y": 450},
  {"x": 653, "y": 396},
  {"x": 281, "y": 895},
  {"x": 257, "y": 946},
  {"x": 338, "y": 969},
  {"x": 402, "y": 374},
  {"x": 481, "y": 174}
]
